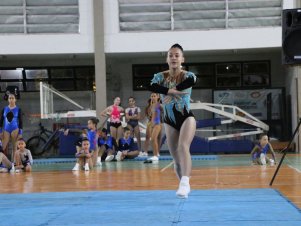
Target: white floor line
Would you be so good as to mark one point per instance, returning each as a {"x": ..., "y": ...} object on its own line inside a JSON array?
[{"x": 299, "y": 171}]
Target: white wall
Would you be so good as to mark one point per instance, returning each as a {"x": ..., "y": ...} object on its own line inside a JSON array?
[
  {"x": 193, "y": 40},
  {"x": 131, "y": 42},
  {"x": 54, "y": 43}
]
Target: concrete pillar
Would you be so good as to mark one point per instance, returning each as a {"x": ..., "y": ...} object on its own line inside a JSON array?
[
  {"x": 99, "y": 57},
  {"x": 297, "y": 71}
]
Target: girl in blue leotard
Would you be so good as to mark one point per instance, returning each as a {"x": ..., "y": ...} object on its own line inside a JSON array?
[
  {"x": 11, "y": 124},
  {"x": 156, "y": 125},
  {"x": 174, "y": 85},
  {"x": 107, "y": 145},
  {"x": 92, "y": 136}
]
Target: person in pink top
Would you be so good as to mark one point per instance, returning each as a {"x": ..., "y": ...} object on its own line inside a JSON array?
[{"x": 114, "y": 112}]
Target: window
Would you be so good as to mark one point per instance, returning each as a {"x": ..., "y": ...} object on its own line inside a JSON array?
[
  {"x": 61, "y": 73},
  {"x": 36, "y": 74},
  {"x": 256, "y": 74},
  {"x": 11, "y": 74},
  {"x": 212, "y": 75},
  {"x": 142, "y": 74},
  {"x": 228, "y": 75},
  {"x": 205, "y": 74},
  {"x": 65, "y": 78}
]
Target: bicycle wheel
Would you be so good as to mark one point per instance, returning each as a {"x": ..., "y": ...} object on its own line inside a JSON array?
[{"x": 35, "y": 145}]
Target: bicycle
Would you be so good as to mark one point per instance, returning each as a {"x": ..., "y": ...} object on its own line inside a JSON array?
[{"x": 43, "y": 141}]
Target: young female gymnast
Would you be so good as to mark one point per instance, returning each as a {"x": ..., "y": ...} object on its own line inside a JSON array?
[
  {"x": 132, "y": 115},
  {"x": 92, "y": 135},
  {"x": 114, "y": 111},
  {"x": 84, "y": 157},
  {"x": 174, "y": 85},
  {"x": 156, "y": 125},
  {"x": 11, "y": 124},
  {"x": 149, "y": 113},
  {"x": 107, "y": 145},
  {"x": 259, "y": 153},
  {"x": 126, "y": 146}
]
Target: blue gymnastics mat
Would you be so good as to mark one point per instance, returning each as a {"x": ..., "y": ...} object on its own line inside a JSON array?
[{"x": 128, "y": 208}]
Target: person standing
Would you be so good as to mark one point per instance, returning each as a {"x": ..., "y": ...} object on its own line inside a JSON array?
[
  {"x": 114, "y": 112},
  {"x": 132, "y": 115},
  {"x": 175, "y": 87},
  {"x": 11, "y": 124}
]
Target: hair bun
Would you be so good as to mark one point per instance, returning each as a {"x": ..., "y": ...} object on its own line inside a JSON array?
[{"x": 176, "y": 45}]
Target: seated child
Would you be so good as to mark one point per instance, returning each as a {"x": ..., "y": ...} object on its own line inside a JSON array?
[
  {"x": 126, "y": 146},
  {"x": 5, "y": 164},
  {"x": 78, "y": 143},
  {"x": 23, "y": 158},
  {"x": 260, "y": 150},
  {"x": 107, "y": 146},
  {"x": 83, "y": 156}
]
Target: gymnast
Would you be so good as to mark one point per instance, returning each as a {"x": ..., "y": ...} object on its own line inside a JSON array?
[
  {"x": 156, "y": 126},
  {"x": 132, "y": 115},
  {"x": 114, "y": 112},
  {"x": 11, "y": 124},
  {"x": 175, "y": 87}
]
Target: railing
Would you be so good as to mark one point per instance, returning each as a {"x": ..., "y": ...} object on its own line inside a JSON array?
[
  {"x": 165, "y": 15},
  {"x": 39, "y": 16}
]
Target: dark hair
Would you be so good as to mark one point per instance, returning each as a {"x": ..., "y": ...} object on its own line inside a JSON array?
[
  {"x": 125, "y": 129},
  {"x": 131, "y": 98},
  {"x": 146, "y": 111},
  {"x": 178, "y": 46},
  {"x": 120, "y": 104},
  {"x": 85, "y": 139},
  {"x": 104, "y": 130},
  {"x": 262, "y": 135},
  {"x": 21, "y": 139},
  {"x": 94, "y": 120},
  {"x": 12, "y": 90}
]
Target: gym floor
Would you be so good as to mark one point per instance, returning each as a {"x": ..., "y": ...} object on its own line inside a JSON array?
[{"x": 209, "y": 172}]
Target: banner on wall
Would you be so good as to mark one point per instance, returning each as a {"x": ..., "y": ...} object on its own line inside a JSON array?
[{"x": 252, "y": 101}]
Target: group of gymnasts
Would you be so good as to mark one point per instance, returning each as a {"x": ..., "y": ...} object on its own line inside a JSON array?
[
  {"x": 11, "y": 130},
  {"x": 120, "y": 144},
  {"x": 174, "y": 87},
  {"x": 169, "y": 102}
]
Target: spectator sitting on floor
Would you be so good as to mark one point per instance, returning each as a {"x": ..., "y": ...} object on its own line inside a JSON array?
[
  {"x": 107, "y": 145},
  {"x": 23, "y": 158},
  {"x": 5, "y": 164},
  {"x": 126, "y": 146},
  {"x": 83, "y": 155}
]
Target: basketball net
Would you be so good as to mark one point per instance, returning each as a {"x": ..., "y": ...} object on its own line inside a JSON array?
[{"x": 49, "y": 111}]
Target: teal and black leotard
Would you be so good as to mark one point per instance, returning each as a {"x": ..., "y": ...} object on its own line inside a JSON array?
[
  {"x": 11, "y": 119},
  {"x": 178, "y": 109}
]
